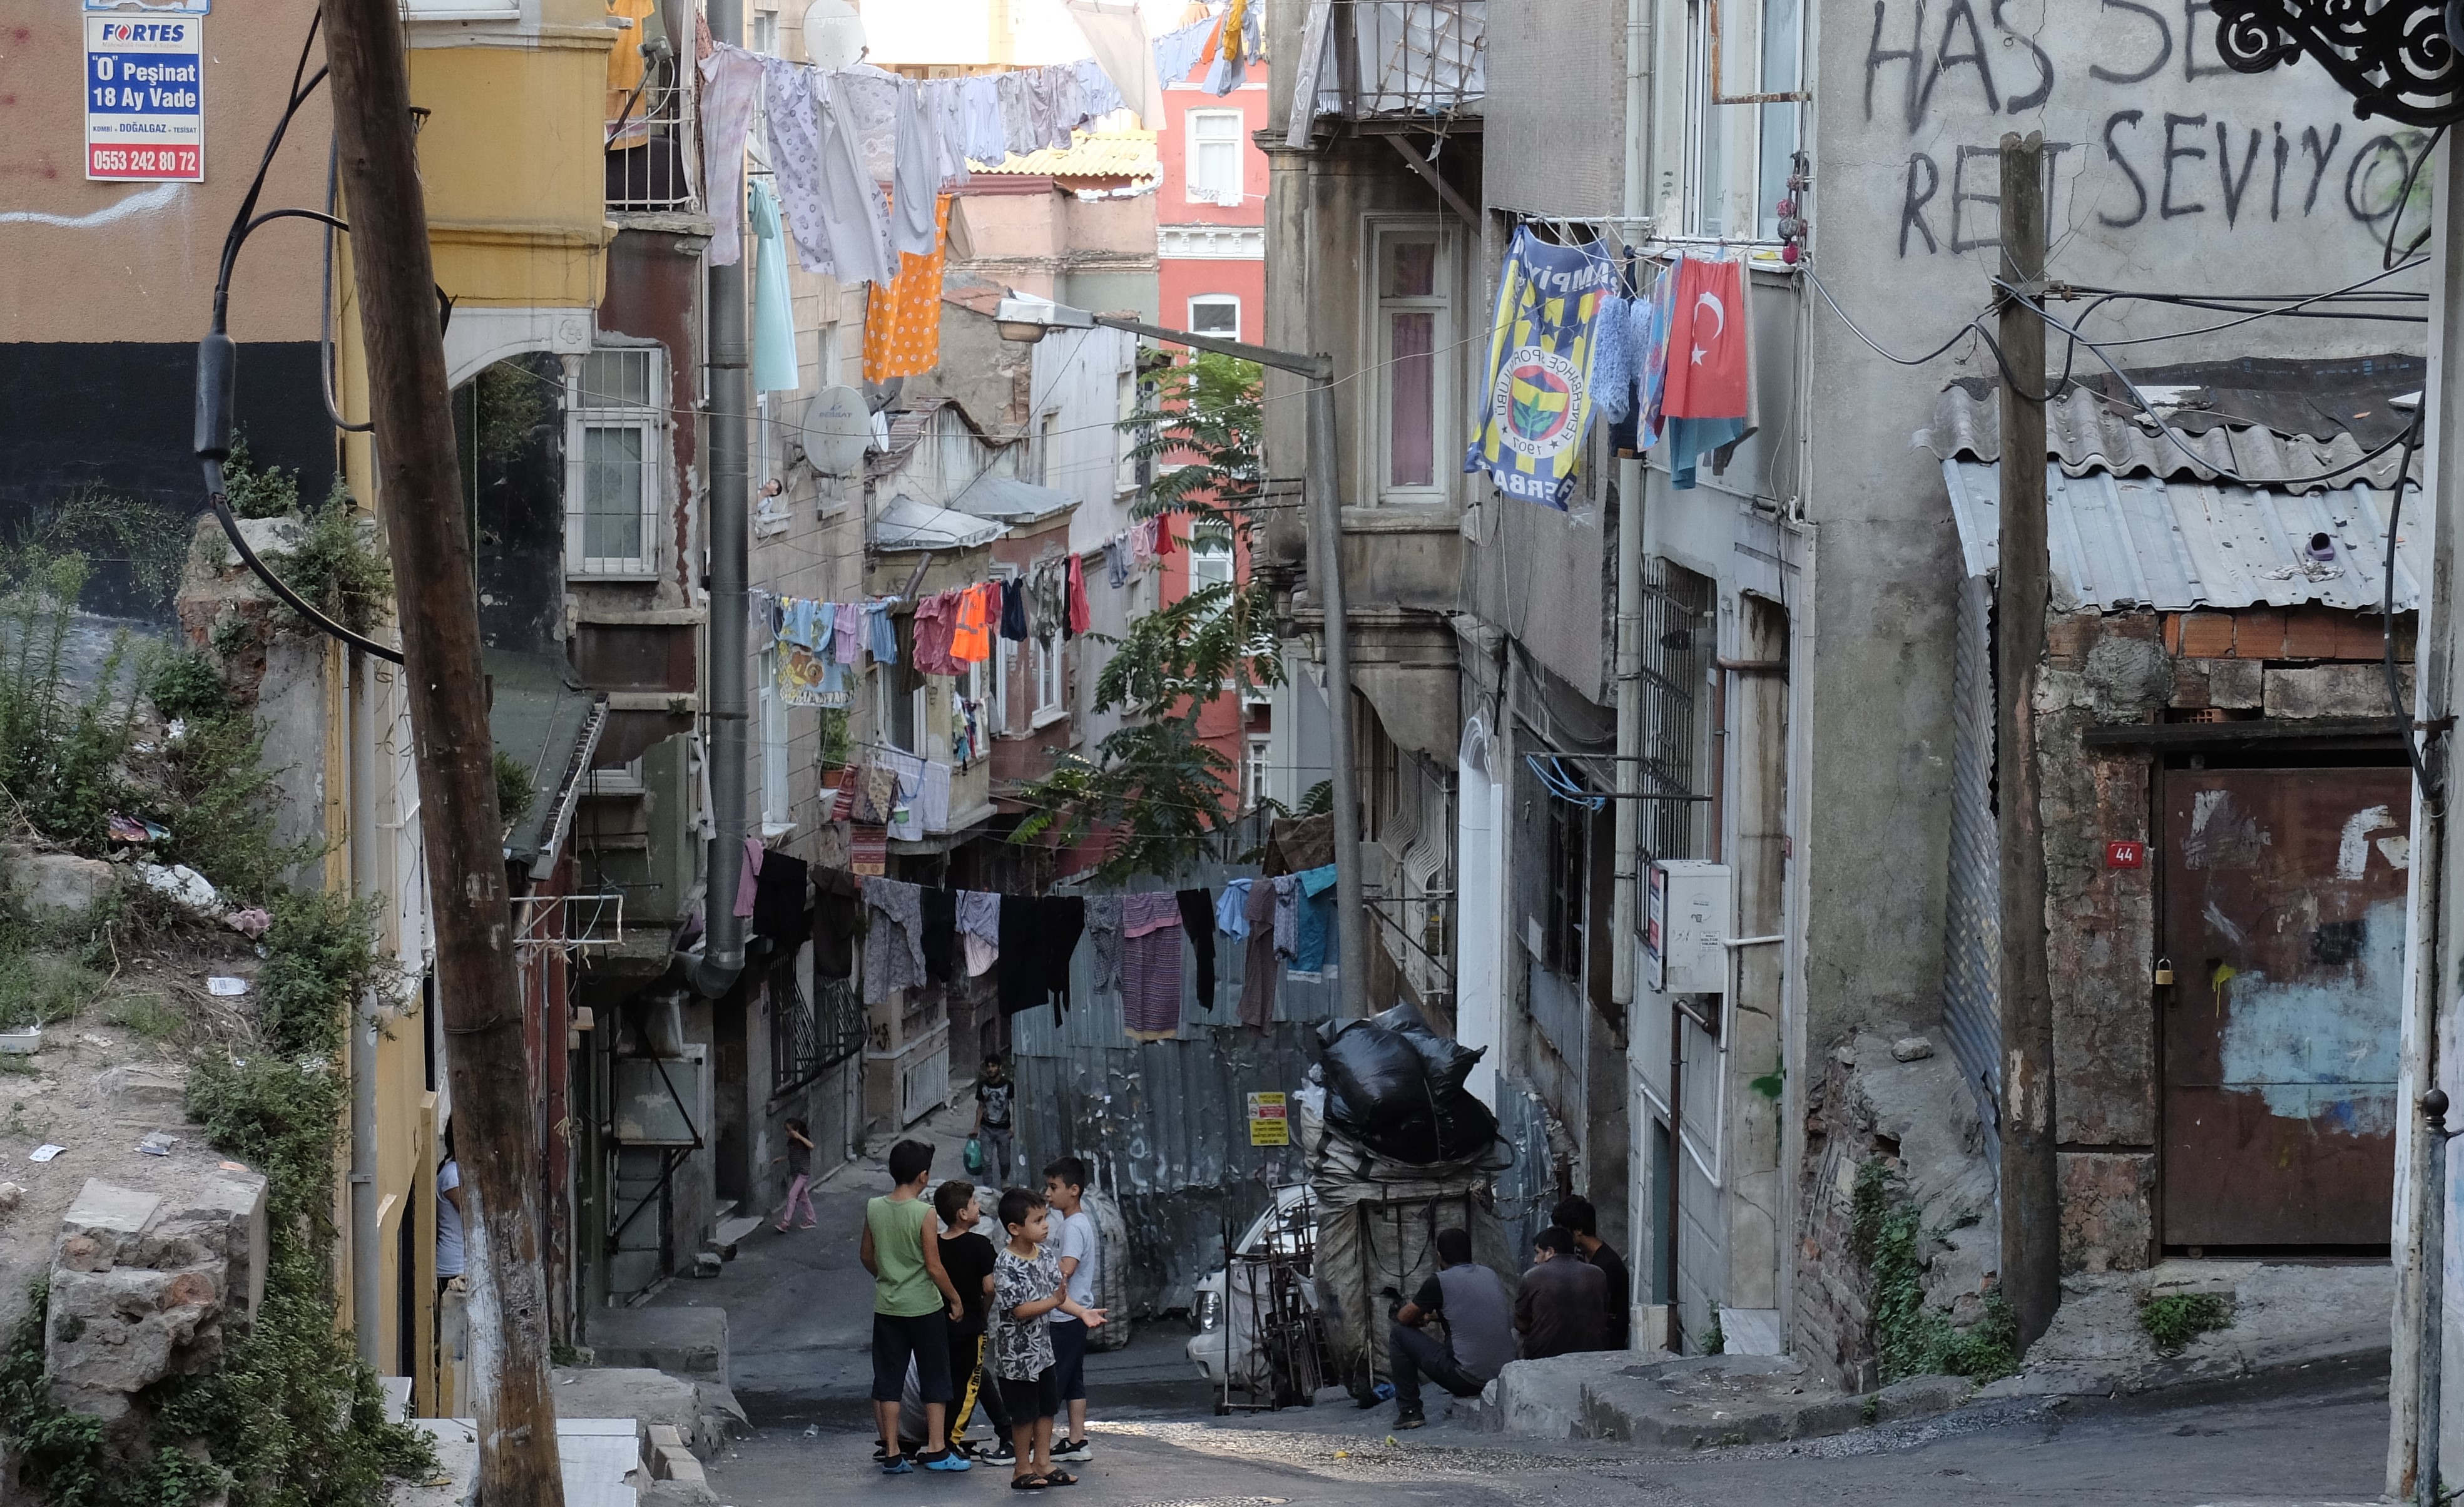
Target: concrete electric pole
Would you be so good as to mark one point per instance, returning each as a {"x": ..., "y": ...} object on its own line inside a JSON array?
[
  {"x": 2031, "y": 1193},
  {"x": 420, "y": 497}
]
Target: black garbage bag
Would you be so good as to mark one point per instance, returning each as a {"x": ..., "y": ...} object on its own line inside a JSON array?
[
  {"x": 1396, "y": 1086},
  {"x": 1466, "y": 1126}
]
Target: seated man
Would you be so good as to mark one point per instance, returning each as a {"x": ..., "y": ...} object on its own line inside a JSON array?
[
  {"x": 1562, "y": 1306},
  {"x": 1480, "y": 1330}
]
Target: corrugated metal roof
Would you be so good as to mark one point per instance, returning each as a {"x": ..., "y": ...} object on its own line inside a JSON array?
[
  {"x": 2090, "y": 430},
  {"x": 2120, "y": 541},
  {"x": 1091, "y": 154},
  {"x": 909, "y": 524},
  {"x": 1012, "y": 500}
]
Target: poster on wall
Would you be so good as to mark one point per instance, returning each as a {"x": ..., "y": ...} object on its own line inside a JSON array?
[{"x": 144, "y": 97}]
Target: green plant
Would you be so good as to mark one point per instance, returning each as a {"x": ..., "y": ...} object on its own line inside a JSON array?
[
  {"x": 334, "y": 564},
  {"x": 254, "y": 491},
  {"x": 134, "y": 548},
  {"x": 512, "y": 787},
  {"x": 40, "y": 987},
  {"x": 185, "y": 683},
  {"x": 1204, "y": 421},
  {"x": 220, "y": 803},
  {"x": 324, "y": 955},
  {"x": 60, "y": 747},
  {"x": 1715, "y": 1339},
  {"x": 1909, "y": 1337},
  {"x": 148, "y": 1015},
  {"x": 837, "y": 740},
  {"x": 2177, "y": 1318}
]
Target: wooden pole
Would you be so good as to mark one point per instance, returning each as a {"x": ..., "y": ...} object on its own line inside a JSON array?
[
  {"x": 421, "y": 501},
  {"x": 2031, "y": 1186}
]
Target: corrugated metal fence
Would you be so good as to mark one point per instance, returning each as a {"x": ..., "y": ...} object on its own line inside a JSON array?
[{"x": 1164, "y": 1124}]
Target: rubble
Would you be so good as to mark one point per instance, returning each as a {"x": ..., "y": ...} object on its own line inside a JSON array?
[{"x": 59, "y": 883}]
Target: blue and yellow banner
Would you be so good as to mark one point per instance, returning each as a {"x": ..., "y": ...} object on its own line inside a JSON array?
[{"x": 1529, "y": 433}]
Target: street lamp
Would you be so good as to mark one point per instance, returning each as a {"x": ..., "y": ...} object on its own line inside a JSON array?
[{"x": 1027, "y": 321}]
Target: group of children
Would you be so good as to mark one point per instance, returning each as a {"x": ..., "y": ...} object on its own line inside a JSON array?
[{"x": 947, "y": 1302}]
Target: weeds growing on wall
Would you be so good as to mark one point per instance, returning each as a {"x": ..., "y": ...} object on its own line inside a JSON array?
[
  {"x": 133, "y": 547},
  {"x": 335, "y": 566},
  {"x": 513, "y": 788},
  {"x": 1909, "y": 1337},
  {"x": 61, "y": 746},
  {"x": 256, "y": 491}
]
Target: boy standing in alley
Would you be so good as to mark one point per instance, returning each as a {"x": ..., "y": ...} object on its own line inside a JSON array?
[
  {"x": 800, "y": 1177},
  {"x": 913, "y": 1303},
  {"x": 1029, "y": 1298},
  {"x": 968, "y": 1258},
  {"x": 1082, "y": 1266},
  {"x": 993, "y": 1093}
]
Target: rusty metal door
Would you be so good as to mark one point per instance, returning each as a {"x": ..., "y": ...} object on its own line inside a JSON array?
[{"x": 2284, "y": 923}]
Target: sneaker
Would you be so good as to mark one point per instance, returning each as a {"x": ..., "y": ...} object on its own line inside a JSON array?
[
  {"x": 1075, "y": 1450},
  {"x": 946, "y": 1460},
  {"x": 1000, "y": 1451},
  {"x": 895, "y": 1465},
  {"x": 1410, "y": 1418}
]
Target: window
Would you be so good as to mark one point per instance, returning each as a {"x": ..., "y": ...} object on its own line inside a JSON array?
[
  {"x": 1124, "y": 441},
  {"x": 1257, "y": 763},
  {"x": 775, "y": 820},
  {"x": 616, "y": 451},
  {"x": 1045, "y": 664},
  {"x": 1047, "y": 429},
  {"x": 1410, "y": 350},
  {"x": 1210, "y": 560},
  {"x": 899, "y": 694},
  {"x": 1214, "y": 157},
  {"x": 1741, "y": 150},
  {"x": 1216, "y": 314},
  {"x": 765, "y": 32}
]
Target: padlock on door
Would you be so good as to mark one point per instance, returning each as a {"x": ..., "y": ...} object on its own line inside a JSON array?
[{"x": 2164, "y": 970}]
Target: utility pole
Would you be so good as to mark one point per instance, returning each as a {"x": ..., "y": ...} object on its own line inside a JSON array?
[
  {"x": 429, "y": 539},
  {"x": 2031, "y": 1191}
]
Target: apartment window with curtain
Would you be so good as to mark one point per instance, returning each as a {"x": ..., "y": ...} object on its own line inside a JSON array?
[
  {"x": 1210, "y": 560},
  {"x": 1257, "y": 764},
  {"x": 1045, "y": 668},
  {"x": 1216, "y": 314},
  {"x": 615, "y": 455},
  {"x": 1740, "y": 152},
  {"x": 1214, "y": 157},
  {"x": 1410, "y": 429}
]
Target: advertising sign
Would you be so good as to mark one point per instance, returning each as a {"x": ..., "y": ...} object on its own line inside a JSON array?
[
  {"x": 145, "y": 98},
  {"x": 1269, "y": 1124}
]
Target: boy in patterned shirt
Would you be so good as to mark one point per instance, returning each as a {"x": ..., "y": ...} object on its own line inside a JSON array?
[{"x": 1027, "y": 1288}]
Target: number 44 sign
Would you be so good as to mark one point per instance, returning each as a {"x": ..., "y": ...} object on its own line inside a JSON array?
[{"x": 144, "y": 97}]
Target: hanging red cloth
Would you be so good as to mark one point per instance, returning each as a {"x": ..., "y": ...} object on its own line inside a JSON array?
[{"x": 1080, "y": 618}]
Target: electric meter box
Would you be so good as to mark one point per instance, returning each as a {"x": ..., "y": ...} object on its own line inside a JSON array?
[{"x": 1686, "y": 927}]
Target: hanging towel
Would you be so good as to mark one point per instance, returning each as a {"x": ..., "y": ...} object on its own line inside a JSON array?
[
  {"x": 1103, "y": 935},
  {"x": 781, "y": 907},
  {"x": 745, "y": 883},
  {"x": 988, "y": 139},
  {"x": 1232, "y": 910},
  {"x": 1198, "y": 920},
  {"x": 1612, "y": 370},
  {"x": 1080, "y": 615},
  {"x": 939, "y": 910},
  {"x": 876, "y": 793},
  {"x": 774, "y": 316},
  {"x": 1317, "y": 951},
  {"x": 1117, "y": 36},
  {"x": 846, "y": 642},
  {"x": 732, "y": 80},
  {"x": 902, "y": 322},
  {"x": 1013, "y": 616},
  {"x": 893, "y": 945},
  {"x": 1151, "y": 984},
  {"x": 933, "y": 800},
  {"x": 1259, "y": 969},
  {"x": 979, "y": 928},
  {"x": 916, "y": 178}
]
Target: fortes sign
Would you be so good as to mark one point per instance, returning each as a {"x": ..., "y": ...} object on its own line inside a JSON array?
[{"x": 145, "y": 98}]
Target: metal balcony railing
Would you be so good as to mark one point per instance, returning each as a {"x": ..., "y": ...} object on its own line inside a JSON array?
[
  {"x": 1384, "y": 58},
  {"x": 654, "y": 154}
]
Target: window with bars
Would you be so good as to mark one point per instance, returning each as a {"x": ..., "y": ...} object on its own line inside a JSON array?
[
  {"x": 810, "y": 1036},
  {"x": 616, "y": 449},
  {"x": 1680, "y": 634}
]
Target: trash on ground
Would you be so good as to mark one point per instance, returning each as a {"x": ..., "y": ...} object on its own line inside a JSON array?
[
  {"x": 45, "y": 1152},
  {"x": 226, "y": 987},
  {"x": 157, "y": 1144},
  {"x": 250, "y": 922},
  {"x": 183, "y": 884}
]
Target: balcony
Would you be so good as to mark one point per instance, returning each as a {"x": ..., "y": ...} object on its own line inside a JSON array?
[
  {"x": 1398, "y": 61},
  {"x": 651, "y": 152}
]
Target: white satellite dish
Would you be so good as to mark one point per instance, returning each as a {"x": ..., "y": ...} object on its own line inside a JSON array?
[
  {"x": 837, "y": 429},
  {"x": 833, "y": 34}
]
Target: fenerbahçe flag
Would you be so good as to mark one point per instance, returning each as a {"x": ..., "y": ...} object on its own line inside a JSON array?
[{"x": 1529, "y": 433}]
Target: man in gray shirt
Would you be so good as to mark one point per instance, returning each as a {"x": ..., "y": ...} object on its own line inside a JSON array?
[{"x": 1480, "y": 1330}]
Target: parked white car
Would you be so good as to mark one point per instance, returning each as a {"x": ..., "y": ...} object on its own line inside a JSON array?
[{"x": 1289, "y": 1225}]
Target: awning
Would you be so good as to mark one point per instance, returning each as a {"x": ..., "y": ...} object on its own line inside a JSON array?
[
  {"x": 1012, "y": 500},
  {"x": 2139, "y": 542},
  {"x": 909, "y": 524},
  {"x": 542, "y": 715}
]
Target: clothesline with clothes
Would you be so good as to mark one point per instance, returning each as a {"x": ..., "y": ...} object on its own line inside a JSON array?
[{"x": 919, "y": 935}]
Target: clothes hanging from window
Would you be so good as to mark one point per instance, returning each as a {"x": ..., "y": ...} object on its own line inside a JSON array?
[
  {"x": 933, "y": 797},
  {"x": 1612, "y": 362},
  {"x": 1232, "y": 910},
  {"x": 1151, "y": 964},
  {"x": 1080, "y": 615},
  {"x": 1163, "y": 535},
  {"x": 902, "y": 322},
  {"x": 1316, "y": 952},
  {"x": 980, "y": 102},
  {"x": 1104, "y": 936},
  {"x": 979, "y": 929},
  {"x": 1048, "y": 124},
  {"x": 846, "y": 642},
  {"x": 760, "y": 619},
  {"x": 893, "y": 943},
  {"x": 1117, "y": 561},
  {"x": 907, "y": 823},
  {"x": 1198, "y": 920},
  {"x": 972, "y": 641},
  {"x": 1260, "y": 972},
  {"x": 881, "y": 631},
  {"x": 731, "y": 83},
  {"x": 781, "y": 910},
  {"x": 1288, "y": 916},
  {"x": 940, "y": 936},
  {"x": 872, "y": 97},
  {"x": 1176, "y": 53},
  {"x": 1048, "y": 584},
  {"x": 946, "y": 100},
  {"x": 1017, "y": 115},
  {"x": 774, "y": 319},
  {"x": 854, "y": 218},
  {"x": 915, "y": 178},
  {"x": 795, "y": 140},
  {"x": 1097, "y": 94},
  {"x": 1013, "y": 609},
  {"x": 1124, "y": 59},
  {"x": 936, "y": 624},
  {"x": 876, "y": 794},
  {"x": 745, "y": 881},
  {"x": 1142, "y": 551},
  {"x": 1038, "y": 936},
  {"x": 837, "y": 917}
]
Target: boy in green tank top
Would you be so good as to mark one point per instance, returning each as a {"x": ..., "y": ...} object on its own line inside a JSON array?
[{"x": 913, "y": 1305}]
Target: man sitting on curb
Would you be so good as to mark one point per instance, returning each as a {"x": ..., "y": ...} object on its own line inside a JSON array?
[{"x": 1480, "y": 1330}]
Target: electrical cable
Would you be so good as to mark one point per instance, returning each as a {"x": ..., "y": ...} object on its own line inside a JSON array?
[
  {"x": 2388, "y": 254},
  {"x": 325, "y": 301},
  {"x": 1901, "y": 361},
  {"x": 2432, "y": 790}
]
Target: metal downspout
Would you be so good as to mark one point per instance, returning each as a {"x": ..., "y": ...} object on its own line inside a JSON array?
[{"x": 730, "y": 493}]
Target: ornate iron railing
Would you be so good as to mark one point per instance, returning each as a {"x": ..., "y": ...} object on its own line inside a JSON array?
[{"x": 2394, "y": 58}]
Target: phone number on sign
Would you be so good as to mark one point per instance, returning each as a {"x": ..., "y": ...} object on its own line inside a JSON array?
[{"x": 170, "y": 161}]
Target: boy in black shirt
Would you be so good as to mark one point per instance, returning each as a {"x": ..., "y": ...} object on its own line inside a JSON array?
[
  {"x": 1577, "y": 1215},
  {"x": 968, "y": 1258},
  {"x": 993, "y": 1091}
]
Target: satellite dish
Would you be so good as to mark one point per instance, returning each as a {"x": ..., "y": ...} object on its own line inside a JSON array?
[
  {"x": 836, "y": 427},
  {"x": 833, "y": 34}
]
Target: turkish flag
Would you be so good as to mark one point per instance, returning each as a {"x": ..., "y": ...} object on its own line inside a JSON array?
[{"x": 1707, "y": 342}]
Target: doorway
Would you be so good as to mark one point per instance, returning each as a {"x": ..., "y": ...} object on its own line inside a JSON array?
[{"x": 2283, "y": 921}]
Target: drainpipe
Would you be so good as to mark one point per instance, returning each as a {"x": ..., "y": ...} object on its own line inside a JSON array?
[
  {"x": 728, "y": 430},
  {"x": 368, "y": 1261}
]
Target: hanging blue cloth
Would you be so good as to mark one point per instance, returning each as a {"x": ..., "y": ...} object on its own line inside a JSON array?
[{"x": 774, "y": 320}]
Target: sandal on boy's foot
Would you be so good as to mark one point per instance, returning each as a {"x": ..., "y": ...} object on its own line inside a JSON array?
[
  {"x": 1059, "y": 1478},
  {"x": 895, "y": 1465},
  {"x": 945, "y": 1460},
  {"x": 1026, "y": 1483},
  {"x": 1075, "y": 1449}
]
